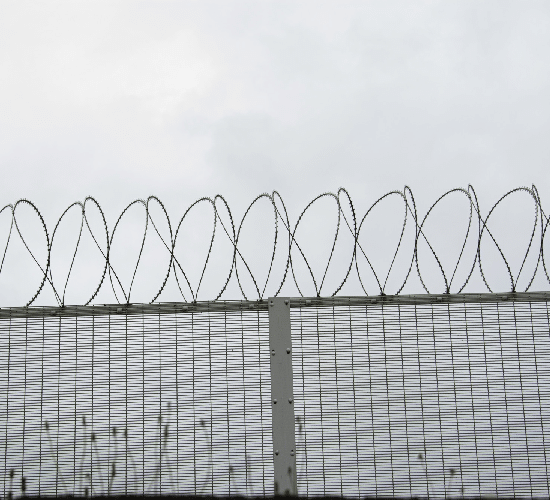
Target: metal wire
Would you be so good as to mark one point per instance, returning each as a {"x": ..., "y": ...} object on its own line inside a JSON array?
[
  {"x": 415, "y": 396},
  {"x": 155, "y": 403},
  {"x": 287, "y": 240},
  {"x": 422, "y": 398}
]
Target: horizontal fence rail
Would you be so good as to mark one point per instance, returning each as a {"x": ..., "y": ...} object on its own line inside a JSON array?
[
  {"x": 352, "y": 248},
  {"x": 403, "y": 395}
]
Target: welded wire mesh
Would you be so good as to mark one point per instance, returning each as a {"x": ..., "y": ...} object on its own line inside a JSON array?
[
  {"x": 142, "y": 400},
  {"x": 401, "y": 396},
  {"x": 422, "y": 399}
]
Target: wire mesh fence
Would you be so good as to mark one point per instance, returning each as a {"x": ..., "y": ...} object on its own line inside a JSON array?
[
  {"x": 402, "y": 396},
  {"x": 141, "y": 402},
  {"x": 421, "y": 400}
]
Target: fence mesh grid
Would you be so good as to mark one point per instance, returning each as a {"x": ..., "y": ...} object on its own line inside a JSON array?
[
  {"x": 422, "y": 400},
  {"x": 176, "y": 403},
  {"x": 401, "y": 399}
]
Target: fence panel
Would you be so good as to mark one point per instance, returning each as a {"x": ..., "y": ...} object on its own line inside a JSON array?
[
  {"x": 421, "y": 398},
  {"x": 141, "y": 400}
]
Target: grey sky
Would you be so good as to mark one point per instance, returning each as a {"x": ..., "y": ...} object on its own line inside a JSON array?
[{"x": 121, "y": 100}]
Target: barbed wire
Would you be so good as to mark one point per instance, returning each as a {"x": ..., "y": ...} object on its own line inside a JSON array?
[{"x": 285, "y": 236}]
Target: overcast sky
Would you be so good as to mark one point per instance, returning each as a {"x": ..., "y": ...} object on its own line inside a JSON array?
[{"x": 121, "y": 100}]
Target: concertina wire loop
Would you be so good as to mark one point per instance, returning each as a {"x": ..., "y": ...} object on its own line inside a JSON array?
[{"x": 284, "y": 234}]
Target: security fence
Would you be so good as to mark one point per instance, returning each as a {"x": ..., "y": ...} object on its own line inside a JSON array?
[{"x": 404, "y": 395}]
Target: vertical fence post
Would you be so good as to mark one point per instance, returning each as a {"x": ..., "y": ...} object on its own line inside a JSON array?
[{"x": 282, "y": 398}]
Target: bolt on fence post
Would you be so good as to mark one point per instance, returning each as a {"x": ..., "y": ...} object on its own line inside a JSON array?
[{"x": 282, "y": 398}]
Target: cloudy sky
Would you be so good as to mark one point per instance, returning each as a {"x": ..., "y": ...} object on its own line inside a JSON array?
[{"x": 121, "y": 100}]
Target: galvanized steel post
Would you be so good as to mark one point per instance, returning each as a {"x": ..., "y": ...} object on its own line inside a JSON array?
[{"x": 282, "y": 398}]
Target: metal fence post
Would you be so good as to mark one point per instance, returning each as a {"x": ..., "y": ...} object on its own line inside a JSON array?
[{"x": 282, "y": 398}]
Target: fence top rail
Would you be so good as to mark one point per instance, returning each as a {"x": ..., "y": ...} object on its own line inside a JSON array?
[{"x": 263, "y": 305}]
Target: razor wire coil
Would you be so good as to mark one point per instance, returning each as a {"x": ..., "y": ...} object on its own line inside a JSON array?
[{"x": 285, "y": 237}]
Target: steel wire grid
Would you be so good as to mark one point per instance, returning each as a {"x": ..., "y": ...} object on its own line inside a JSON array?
[
  {"x": 404, "y": 396},
  {"x": 422, "y": 399},
  {"x": 135, "y": 402}
]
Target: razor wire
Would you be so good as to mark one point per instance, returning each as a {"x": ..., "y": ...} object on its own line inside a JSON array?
[{"x": 285, "y": 237}]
